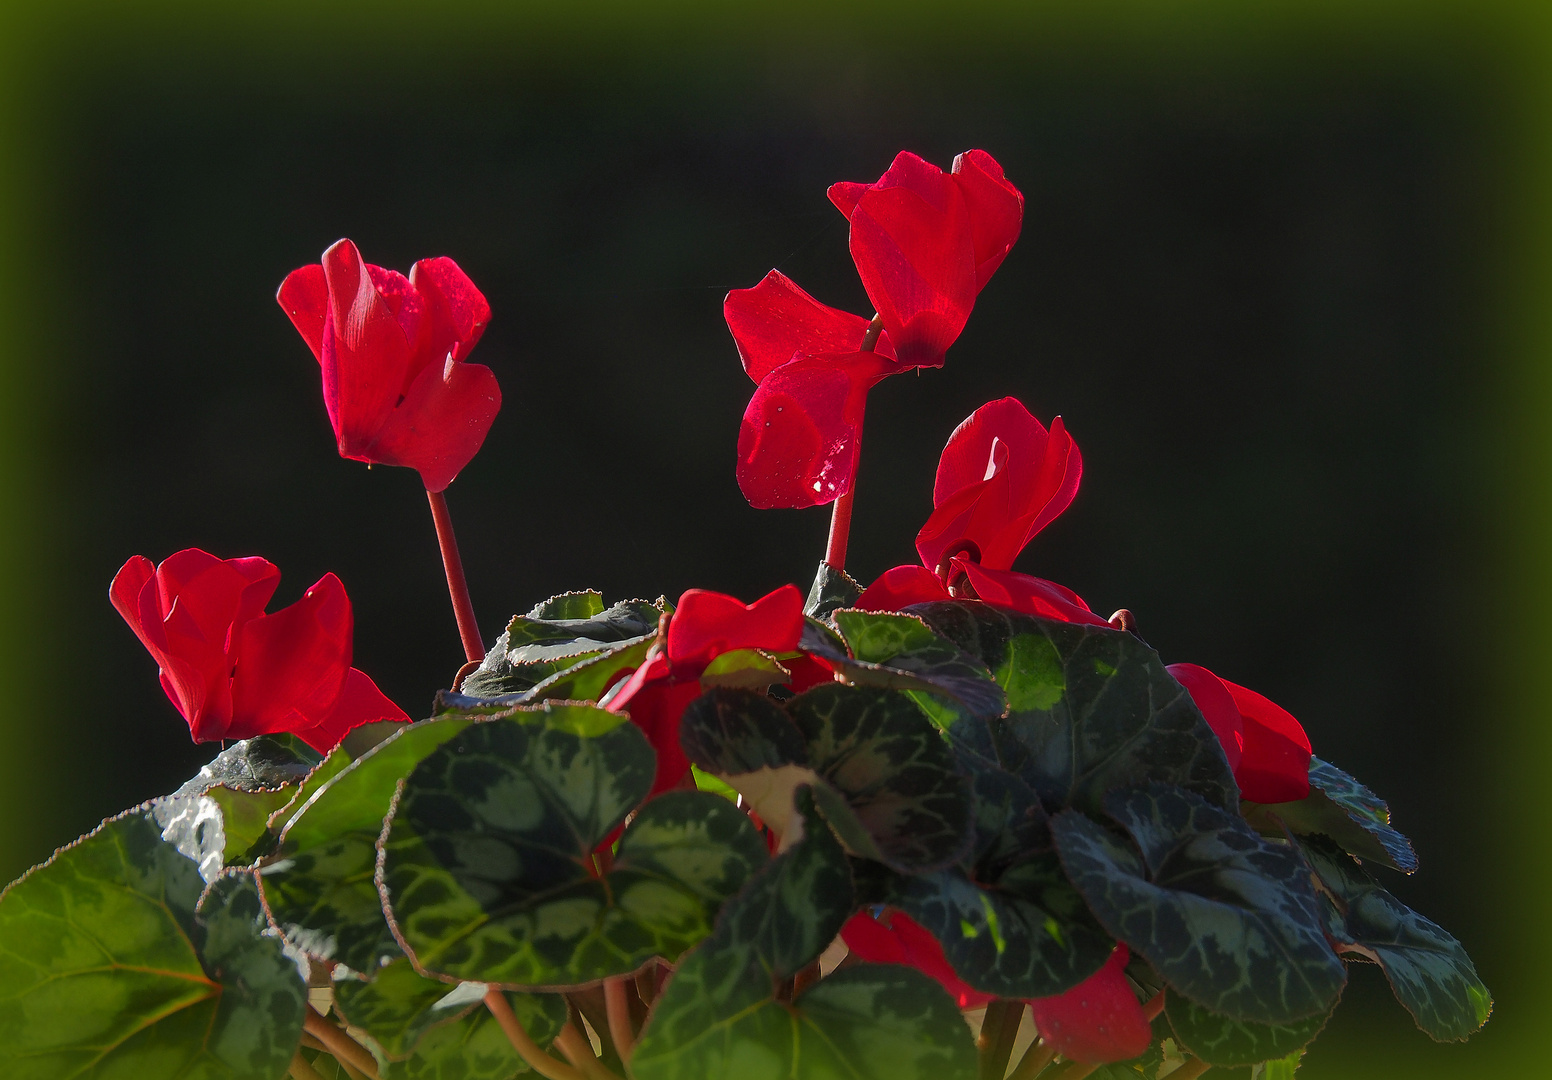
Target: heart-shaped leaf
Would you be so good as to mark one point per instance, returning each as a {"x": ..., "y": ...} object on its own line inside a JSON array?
[
  {"x": 488, "y": 868},
  {"x": 555, "y": 636},
  {"x": 1218, "y": 1040},
  {"x": 719, "y": 1018},
  {"x": 832, "y": 589},
  {"x": 1090, "y": 709},
  {"x": 112, "y": 965},
  {"x": 1340, "y": 807},
  {"x": 318, "y": 886},
  {"x": 901, "y": 652},
  {"x": 1229, "y": 918},
  {"x": 1428, "y": 969}
]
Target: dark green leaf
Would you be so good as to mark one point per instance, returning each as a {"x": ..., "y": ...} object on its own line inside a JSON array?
[
  {"x": 474, "y": 1047},
  {"x": 245, "y": 820},
  {"x": 319, "y": 886},
  {"x": 1428, "y": 969},
  {"x": 557, "y": 635},
  {"x": 263, "y": 763},
  {"x": 1090, "y": 709},
  {"x": 111, "y": 966},
  {"x": 1221, "y": 1041},
  {"x": 400, "y": 1005},
  {"x": 590, "y": 679},
  {"x": 1228, "y": 918},
  {"x": 488, "y": 853},
  {"x": 832, "y": 589},
  {"x": 1340, "y": 807},
  {"x": 900, "y": 652}
]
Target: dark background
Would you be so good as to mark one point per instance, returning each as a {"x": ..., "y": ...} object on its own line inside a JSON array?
[{"x": 1257, "y": 290}]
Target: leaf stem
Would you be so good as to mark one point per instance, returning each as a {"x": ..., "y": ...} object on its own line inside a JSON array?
[
  {"x": 1153, "y": 1006},
  {"x": 1189, "y": 1071},
  {"x": 840, "y": 510},
  {"x": 617, "y": 1005},
  {"x": 300, "y": 1070},
  {"x": 1034, "y": 1061},
  {"x": 523, "y": 1043},
  {"x": 340, "y": 1044},
  {"x": 576, "y": 1046},
  {"x": 457, "y": 586},
  {"x": 998, "y": 1031}
]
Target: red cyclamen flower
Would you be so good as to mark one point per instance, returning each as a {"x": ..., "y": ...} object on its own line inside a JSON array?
[
  {"x": 1001, "y": 479},
  {"x": 1097, "y": 1021},
  {"x": 926, "y": 242},
  {"x": 1267, "y": 748},
  {"x": 235, "y": 672},
  {"x": 893, "y": 937},
  {"x": 703, "y": 627},
  {"x": 798, "y": 443},
  {"x": 392, "y": 351}
]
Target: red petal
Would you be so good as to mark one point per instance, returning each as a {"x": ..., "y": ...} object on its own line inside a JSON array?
[
  {"x": 896, "y": 938},
  {"x": 291, "y": 665},
  {"x": 901, "y": 586},
  {"x": 125, "y": 593},
  {"x": 707, "y": 624},
  {"x": 1217, "y": 705},
  {"x": 367, "y": 356},
  {"x": 441, "y": 423},
  {"x": 1097, "y": 1021},
  {"x": 798, "y": 443},
  {"x": 360, "y": 702},
  {"x": 911, "y": 241},
  {"x": 845, "y": 195},
  {"x": 996, "y": 210},
  {"x": 807, "y": 672},
  {"x": 654, "y": 702},
  {"x": 456, "y": 310},
  {"x": 1001, "y": 479},
  {"x": 1030, "y": 595},
  {"x": 304, "y": 296},
  {"x": 1275, "y": 765},
  {"x": 776, "y": 321}
]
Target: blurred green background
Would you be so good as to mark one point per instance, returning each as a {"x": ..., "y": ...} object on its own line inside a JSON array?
[{"x": 1285, "y": 272}]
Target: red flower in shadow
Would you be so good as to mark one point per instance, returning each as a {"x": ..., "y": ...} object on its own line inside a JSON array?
[
  {"x": 1097, "y": 1021},
  {"x": 1267, "y": 748},
  {"x": 235, "y": 672}
]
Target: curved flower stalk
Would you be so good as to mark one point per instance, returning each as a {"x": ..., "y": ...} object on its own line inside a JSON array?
[
  {"x": 235, "y": 672},
  {"x": 1002, "y": 478}
]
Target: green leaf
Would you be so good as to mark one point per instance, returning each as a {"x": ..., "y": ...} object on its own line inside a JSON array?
[
  {"x": 473, "y": 1047},
  {"x": 882, "y": 773},
  {"x": 719, "y": 1019},
  {"x": 245, "y": 820},
  {"x": 487, "y": 856},
  {"x": 1228, "y": 918},
  {"x": 1340, "y": 807},
  {"x": 557, "y": 635},
  {"x": 1428, "y": 969},
  {"x": 318, "y": 886},
  {"x": 747, "y": 668},
  {"x": 832, "y": 589},
  {"x": 901, "y": 652},
  {"x": 1218, "y": 1040},
  {"x": 590, "y": 679},
  {"x": 400, "y": 1005},
  {"x": 110, "y": 965},
  {"x": 1090, "y": 709}
]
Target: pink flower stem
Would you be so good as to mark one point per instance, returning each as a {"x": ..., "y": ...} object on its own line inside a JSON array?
[
  {"x": 840, "y": 510},
  {"x": 457, "y": 586}
]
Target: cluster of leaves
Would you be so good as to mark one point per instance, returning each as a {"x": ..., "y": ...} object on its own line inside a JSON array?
[{"x": 1032, "y": 792}]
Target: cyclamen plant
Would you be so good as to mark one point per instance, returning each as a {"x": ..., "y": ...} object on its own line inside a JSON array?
[{"x": 894, "y": 832}]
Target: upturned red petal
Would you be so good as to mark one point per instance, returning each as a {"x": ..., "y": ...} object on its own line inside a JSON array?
[
  {"x": 893, "y": 937},
  {"x": 1099, "y": 1020},
  {"x": 776, "y": 321},
  {"x": 925, "y": 242},
  {"x": 996, "y": 210},
  {"x": 1275, "y": 765},
  {"x": 707, "y": 624},
  {"x": 799, "y": 440},
  {"x": 291, "y": 666},
  {"x": 1023, "y": 593},
  {"x": 1001, "y": 479},
  {"x": 360, "y": 702},
  {"x": 1217, "y": 706},
  {"x": 901, "y": 586},
  {"x": 655, "y": 697},
  {"x": 392, "y": 354}
]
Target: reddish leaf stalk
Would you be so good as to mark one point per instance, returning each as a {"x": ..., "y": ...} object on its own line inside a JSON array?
[
  {"x": 1191, "y": 1069},
  {"x": 300, "y": 1070},
  {"x": 523, "y": 1043},
  {"x": 840, "y": 510},
  {"x": 457, "y": 586},
  {"x": 340, "y": 1044},
  {"x": 618, "y": 1007},
  {"x": 1034, "y": 1061}
]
